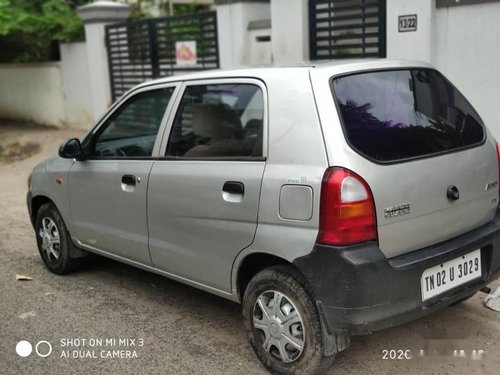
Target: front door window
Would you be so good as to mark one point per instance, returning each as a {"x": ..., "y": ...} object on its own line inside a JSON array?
[{"x": 131, "y": 131}]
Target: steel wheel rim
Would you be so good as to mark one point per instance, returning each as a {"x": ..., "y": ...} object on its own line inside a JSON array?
[
  {"x": 51, "y": 242},
  {"x": 279, "y": 326}
]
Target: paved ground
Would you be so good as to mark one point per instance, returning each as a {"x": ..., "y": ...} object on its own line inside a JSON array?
[{"x": 184, "y": 331}]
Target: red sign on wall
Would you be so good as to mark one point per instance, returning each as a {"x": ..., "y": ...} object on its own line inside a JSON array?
[{"x": 185, "y": 52}]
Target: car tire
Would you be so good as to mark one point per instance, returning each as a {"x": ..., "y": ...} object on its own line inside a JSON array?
[
  {"x": 296, "y": 321},
  {"x": 54, "y": 242}
]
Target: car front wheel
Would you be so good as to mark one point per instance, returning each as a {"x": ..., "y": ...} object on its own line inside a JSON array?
[
  {"x": 282, "y": 323},
  {"x": 54, "y": 243}
]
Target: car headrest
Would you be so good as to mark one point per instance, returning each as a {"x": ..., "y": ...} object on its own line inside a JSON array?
[{"x": 215, "y": 121}]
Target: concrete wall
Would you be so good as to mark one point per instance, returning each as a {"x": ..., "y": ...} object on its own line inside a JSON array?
[
  {"x": 260, "y": 50},
  {"x": 75, "y": 75},
  {"x": 97, "y": 60},
  {"x": 232, "y": 24},
  {"x": 96, "y": 16},
  {"x": 32, "y": 92},
  {"x": 290, "y": 30},
  {"x": 413, "y": 45},
  {"x": 467, "y": 51},
  {"x": 54, "y": 94}
]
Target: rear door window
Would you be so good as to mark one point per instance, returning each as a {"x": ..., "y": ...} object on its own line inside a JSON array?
[
  {"x": 396, "y": 115},
  {"x": 218, "y": 120}
]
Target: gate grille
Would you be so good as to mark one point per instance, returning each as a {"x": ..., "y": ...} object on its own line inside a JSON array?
[
  {"x": 142, "y": 50},
  {"x": 347, "y": 29}
]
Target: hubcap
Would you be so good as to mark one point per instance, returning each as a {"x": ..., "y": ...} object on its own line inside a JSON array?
[
  {"x": 51, "y": 243},
  {"x": 279, "y": 326}
]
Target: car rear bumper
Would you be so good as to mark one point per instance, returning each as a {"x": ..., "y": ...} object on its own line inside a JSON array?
[{"x": 359, "y": 290}]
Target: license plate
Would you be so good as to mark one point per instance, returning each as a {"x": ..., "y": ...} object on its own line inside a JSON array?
[{"x": 446, "y": 276}]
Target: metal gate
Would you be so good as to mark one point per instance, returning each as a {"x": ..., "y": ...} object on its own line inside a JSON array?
[
  {"x": 340, "y": 29},
  {"x": 142, "y": 50}
]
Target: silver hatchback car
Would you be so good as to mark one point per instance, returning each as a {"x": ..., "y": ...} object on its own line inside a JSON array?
[{"x": 330, "y": 200}]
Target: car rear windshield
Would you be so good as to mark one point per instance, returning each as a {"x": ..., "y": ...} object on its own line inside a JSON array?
[{"x": 397, "y": 115}]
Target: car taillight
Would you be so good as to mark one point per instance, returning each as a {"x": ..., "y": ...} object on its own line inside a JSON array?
[{"x": 347, "y": 212}]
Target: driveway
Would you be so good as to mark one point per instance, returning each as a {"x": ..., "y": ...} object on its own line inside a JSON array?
[{"x": 120, "y": 320}]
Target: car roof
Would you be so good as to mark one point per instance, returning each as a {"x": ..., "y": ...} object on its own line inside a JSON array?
[{"x": 330, "y": 67}]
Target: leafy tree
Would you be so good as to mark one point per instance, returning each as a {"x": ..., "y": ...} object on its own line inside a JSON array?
[
  {"x": 30, "y": 29},
  {"x": 194, "y": 7}
]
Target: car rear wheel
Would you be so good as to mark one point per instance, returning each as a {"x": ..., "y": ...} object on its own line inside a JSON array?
[
  {"x": 53, "y": 240},
  {"x": 282, "y": 323}
]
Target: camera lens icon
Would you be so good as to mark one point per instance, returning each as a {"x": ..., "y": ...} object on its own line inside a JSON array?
[{"x": 42, "y": 348}]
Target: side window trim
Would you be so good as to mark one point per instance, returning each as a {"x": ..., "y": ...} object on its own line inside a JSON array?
[
  {"x": 164, "y": 121},
  {"x": 216, "y": 81},
  {"x": 170, "y": 120},
  {"x": 124, "y": 101}
]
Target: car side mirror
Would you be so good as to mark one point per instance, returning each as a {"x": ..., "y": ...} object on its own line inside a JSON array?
[{"x": 72, "y": 149}]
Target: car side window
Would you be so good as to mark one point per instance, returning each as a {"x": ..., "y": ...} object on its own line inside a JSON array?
[
  {"x": 132, "y": 129},
  {"x": 218, "y": 120}
]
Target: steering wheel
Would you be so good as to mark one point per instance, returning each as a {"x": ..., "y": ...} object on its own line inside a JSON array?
[
  {"x": 131, "y": 150},
  {"x": 120, "y": 152}
]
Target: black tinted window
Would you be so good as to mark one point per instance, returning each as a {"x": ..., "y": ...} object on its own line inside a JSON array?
[
  {"x": 223, "y": 120},
  {"x": 131, "y": 130},
  {"x": 402, "y": 114}
]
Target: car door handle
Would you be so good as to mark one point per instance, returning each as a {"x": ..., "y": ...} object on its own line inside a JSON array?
[
  {"x": 234, "y": 187},
  {"x": 233, "y": 191},
  {"x": 129, "y": 179}
]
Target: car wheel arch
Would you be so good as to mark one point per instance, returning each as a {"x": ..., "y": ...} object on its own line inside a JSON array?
[
  {"x": 37, "y": 202},
  {"x": 251, "y": 265}
]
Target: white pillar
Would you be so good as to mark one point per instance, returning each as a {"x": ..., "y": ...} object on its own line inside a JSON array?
[
  {"x": 233, "y": 17},
  {"x": 290, "y": 30},
  {"x": 95, "y": 16},
  {"x": 75, "y": 75},
  {"x": 412, "y": 45}
]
